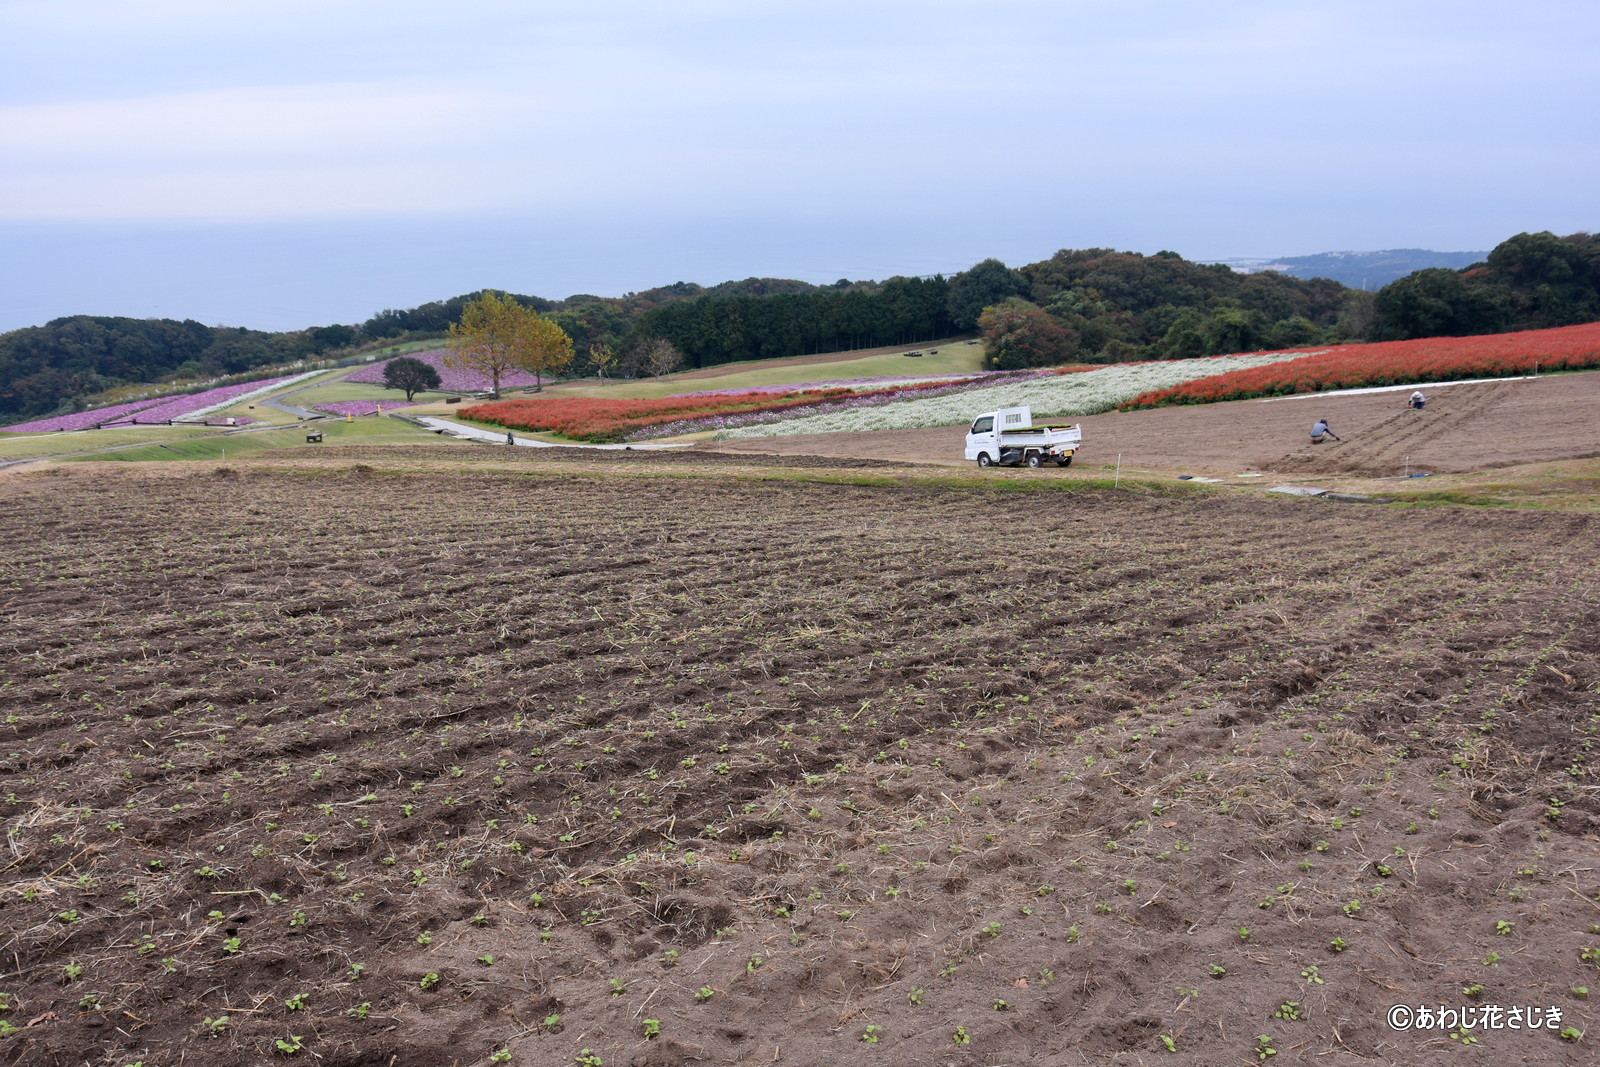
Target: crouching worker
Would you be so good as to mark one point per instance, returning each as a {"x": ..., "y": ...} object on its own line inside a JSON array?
[
  {"x": 1319, "y": 430},
  {"x": 1417, "y": 400}
]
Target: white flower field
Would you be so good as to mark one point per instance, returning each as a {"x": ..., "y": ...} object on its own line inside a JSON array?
[{"x": 1081, "y": 393}]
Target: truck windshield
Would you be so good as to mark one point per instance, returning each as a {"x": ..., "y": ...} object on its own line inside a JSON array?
[{"x": 983, "y": 425}]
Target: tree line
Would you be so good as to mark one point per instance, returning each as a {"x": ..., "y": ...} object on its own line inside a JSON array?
[
  {"x": 65, "y": 364},
  {"x": 1100, "y": 305},
  {"x": 1085, "y": 305}
]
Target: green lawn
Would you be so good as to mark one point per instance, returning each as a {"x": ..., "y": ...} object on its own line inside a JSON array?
[
  {"x": 341, "y": 390},
  {"x": 368, "y": 431},
  {"x": 406, "y": 348},
  {"x": 938, "y": 357},
  {"x": 29, "y": 446}
]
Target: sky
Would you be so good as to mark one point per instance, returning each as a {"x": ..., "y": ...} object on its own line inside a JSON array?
[{"x": 278, "y": 164}]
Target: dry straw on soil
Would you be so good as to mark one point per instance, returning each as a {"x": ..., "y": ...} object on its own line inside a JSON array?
[{"x": 422, "y": 769}]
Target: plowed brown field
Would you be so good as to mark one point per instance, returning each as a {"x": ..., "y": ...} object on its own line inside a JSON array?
[
  {"x": 367, "y": 767},
  {"x": 1463, "y": 428}
]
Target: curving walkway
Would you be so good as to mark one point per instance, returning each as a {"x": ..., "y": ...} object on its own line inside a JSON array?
[{"x": 448, "y": 426}]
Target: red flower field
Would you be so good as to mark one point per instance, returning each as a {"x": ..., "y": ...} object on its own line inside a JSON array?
[
  {"x": 604, "y": 421},
  {"x": 1430, "y": 359},
  {"x": 592, "y": 419}
]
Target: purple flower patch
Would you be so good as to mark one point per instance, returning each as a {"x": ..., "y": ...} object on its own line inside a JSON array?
[{"x": 450, "y": 379}]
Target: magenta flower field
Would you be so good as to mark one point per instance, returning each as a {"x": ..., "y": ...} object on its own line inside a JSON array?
[
  {"x": 153, "y": 411},
  {"x": 85, "y": 420}
]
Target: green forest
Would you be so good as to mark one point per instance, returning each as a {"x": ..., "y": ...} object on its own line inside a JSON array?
[{"x": 1086, "y": 305}]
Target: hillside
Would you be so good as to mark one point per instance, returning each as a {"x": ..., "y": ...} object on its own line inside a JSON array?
[{"x": 1088, "y": 305}]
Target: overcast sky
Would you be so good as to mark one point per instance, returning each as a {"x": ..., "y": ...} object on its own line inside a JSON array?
[{"x": 284, "y": 163}]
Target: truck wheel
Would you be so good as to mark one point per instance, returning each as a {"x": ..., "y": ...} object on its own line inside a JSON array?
[
  {"x": 984, "y": 460},
  {"x": 1034, "y": 462},
  {"x": 1064, "y": 462}
]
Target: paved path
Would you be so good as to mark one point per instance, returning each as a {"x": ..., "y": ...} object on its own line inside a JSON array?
[
  {"x": 447, "y": 426},
  {"x": 291, "y": 410}
]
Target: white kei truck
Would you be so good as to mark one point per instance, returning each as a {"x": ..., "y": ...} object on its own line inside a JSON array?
[{"x": 1009, "y": 438}]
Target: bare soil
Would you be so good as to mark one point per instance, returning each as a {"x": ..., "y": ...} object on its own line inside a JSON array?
[
  {"x": 1462, "y": 428},
  {"x": 369, "y": 766}
]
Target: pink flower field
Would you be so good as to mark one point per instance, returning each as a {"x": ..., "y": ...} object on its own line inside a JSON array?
[
  {"x": 450, "y": 380},
  {"x": 153, "y": 411}
]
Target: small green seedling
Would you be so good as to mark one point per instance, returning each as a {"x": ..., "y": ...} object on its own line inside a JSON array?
[{"x": 872, "y": 1034}]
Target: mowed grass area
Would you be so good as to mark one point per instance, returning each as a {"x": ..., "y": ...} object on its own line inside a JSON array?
[
  {"x": 1563, "y": 485},
  {"x": 938, "y": 357},
  {"x": 405, "y": 348},
  {"x": 218, "y": 446},
  {"x": 335, "y": 391},
  {"x": 32, "y": 446}
]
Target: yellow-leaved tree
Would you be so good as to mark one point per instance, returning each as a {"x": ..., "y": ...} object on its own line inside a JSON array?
[
  {"x": 602, "y": 357},
  {"x": 496, "y": 335}
]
